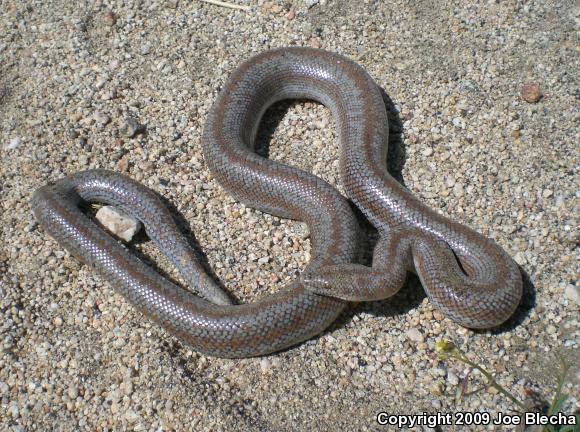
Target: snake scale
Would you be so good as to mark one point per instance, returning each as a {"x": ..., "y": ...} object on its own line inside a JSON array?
[{"x": 467, "y": 276}]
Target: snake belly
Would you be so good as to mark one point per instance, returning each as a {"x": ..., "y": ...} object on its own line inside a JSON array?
[{"x": 415, "y": 237}]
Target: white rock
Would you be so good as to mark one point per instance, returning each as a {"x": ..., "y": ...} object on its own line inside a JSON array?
[
  {"x": 573, "y": 293},
  {"x": 100, "y": 83},
  {"x": 415, "y": 335},
  {"x": 131, "y": 416},
  {"x": 13, "y": 410},
  {"x": 458, "y": 122},
  {"x": 14, "y": 142},
  {"x": 118, "y": 223},
  {"x": 458, "y": 190},
  {"x": 452, "y": 378}
]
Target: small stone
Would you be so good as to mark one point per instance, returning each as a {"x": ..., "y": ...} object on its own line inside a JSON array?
[
  {"x": 452, "y": 378},
  {"x": 132, "y": 127},
  {"x": 131, "y": 416},
  {"x": 109, "y": 95},
  {"x": 118, "y": 223},
  {"x": 115, "y": 407},
  {"x": 291, "y": 15},
  {"x": 123, "y": 165},
  {"x": 13, "y": 410},
  {"x": 126, "y": 387},
  {"x": 146, "y": 49},
  {"x": 530, "y": 92},
  {"x": 14, "y": 143},
  {"x": 73, "y": 393},
  {"x": 573, "y": 293},
  {"x": 100, "y": 83},
  {"x": 274, "y": 8},
  {"x": 101, "y": 118},
  {"x": 110, "y": 18},
  {"x": 547, "y": 193},
  {"x": 458, "y": 190},
  {"x": 303, "y": 231},
  {"x": 520, "y": 258},
  {"x": 415, "y": 335},
  {"x": 436, "y": 389},
  {"x": 459, "y": 123},
  {"x": 265, "y": 365},
  {"x": 428, "y": 151},
  {"x": 4, "y": 388}
]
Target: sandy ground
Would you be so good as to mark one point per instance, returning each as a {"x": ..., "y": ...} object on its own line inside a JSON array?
[{"x": 76, "y": 356}]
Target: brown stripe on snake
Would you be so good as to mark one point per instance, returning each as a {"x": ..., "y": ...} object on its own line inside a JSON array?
[{"x": 467, "y": 276}]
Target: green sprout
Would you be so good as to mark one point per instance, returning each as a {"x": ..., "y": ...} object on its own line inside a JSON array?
[{"x": 448, "y": 350}]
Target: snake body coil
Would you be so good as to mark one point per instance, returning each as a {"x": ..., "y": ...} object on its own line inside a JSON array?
[{"x": 471, "y": 279}]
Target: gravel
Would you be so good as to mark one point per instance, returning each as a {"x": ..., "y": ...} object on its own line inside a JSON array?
[{"x": 485, "y": 113}]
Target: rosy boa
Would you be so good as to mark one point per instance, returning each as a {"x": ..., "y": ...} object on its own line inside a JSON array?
[{"x": 466, "y": 275}]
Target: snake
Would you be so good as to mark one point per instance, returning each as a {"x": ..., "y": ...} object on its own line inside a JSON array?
[{"x": 467, "y": 276}]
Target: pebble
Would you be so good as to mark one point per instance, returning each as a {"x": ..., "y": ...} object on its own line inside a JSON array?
[
  {"x": 101, "y": 118},
  {"x": 13, "y": 410},
  {"x": 14, "y": 143},
  {"x": 118, "y": 223},
  {"x": 73, "y": 392},
  {"x": 110, "y": 18},
  {"x": 458, "y": 190},
  {"x": 530, "y": 92},
  {"x": 458, "y": 122},
  {"x": 452, "y": 378},
  {"x": 573, "y": 293},
  {"x": 100, "y": 83},
  {"x": 415, "y": 335},
  {"x": 123, "y": 165},
  {"x": 131, "y": 416},
  {"x": 131, "y": 127},
  {"x": 265, "y": 365}
]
